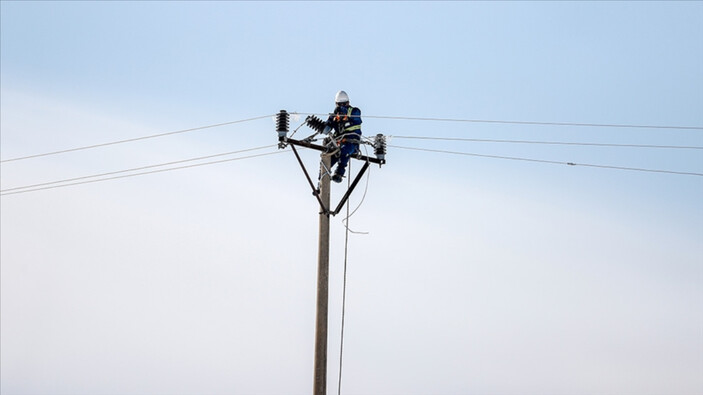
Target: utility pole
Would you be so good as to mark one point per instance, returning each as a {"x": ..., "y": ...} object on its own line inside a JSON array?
[
  {"x": 323, "y": 197},
  {"x": 323, "y": 266}
]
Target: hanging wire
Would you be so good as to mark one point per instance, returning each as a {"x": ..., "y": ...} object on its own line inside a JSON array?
[
  {"x": 344, "y": 293},
  {"x": 296, "y": 129},
  {"x": 345, "y": 222},
  {"x": 550, "y": 142},
  {"x": 496, "y": 121},
  {"x": 551, "y": 161},
  {"x": 363, "y": 197},
  {"x": 134, "y": 139},
  {"x": 2, "y": 193},
  {"x": 597, "y": 125},
  {"x": 134, "y": 169}
]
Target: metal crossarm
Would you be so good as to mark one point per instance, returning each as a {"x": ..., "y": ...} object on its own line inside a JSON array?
[{"x": 322, "y": 148}]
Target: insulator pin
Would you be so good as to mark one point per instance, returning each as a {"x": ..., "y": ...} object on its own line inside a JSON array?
[
  {"x": 282, "y": 124},
  {"x": 379, "y": 145}
]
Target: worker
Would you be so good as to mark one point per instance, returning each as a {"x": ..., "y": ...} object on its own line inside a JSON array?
[{"x": 345, "y": 127}]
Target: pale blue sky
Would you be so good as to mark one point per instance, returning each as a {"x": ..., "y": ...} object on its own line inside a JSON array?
[{"x": 479, "y": 275}]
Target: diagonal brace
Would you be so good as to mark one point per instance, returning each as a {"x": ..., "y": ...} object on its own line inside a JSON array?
[
  {"x": 351, "y": 188},
  {"x": 315, "y": 191}
]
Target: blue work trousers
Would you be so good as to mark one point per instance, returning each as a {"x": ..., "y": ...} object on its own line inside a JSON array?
[{"x": 346, "y": 150}]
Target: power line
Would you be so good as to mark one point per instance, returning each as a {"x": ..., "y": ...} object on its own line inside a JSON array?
[
  {"x": 2, "y": 193},
  {"x": 133, "y": 169},
  {"x": 550, "y": 161},
  {"x": 550, "y": 142},
  {"x": 134, "y": 139},
  {"x": 598, "y": 125},
  {"x": 495, "y": 121},
  {"x": 366, "y": 116}
]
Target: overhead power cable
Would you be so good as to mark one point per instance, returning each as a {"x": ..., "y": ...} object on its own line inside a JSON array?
[
  {"x": 134, "y": 139},
  {"x": 495, "y": 121},
  {"x": 550, "y": 161},
  {"x": 366, "y": 116},
  {"x": 22, "y": 190},
  {"x": 597, "y": 125},
  {"x": 550, "y": 142},
  {"x": 133, "y": 169}
]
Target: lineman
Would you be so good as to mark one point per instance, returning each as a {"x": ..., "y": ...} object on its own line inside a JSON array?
[{"x": 345, "y": 124}]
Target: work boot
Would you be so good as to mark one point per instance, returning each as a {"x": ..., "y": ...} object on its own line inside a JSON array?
[{"x": 337, "y": 178}]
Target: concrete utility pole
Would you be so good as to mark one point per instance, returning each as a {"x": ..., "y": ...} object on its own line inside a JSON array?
[
  {"x": 323, "y": 263},
  {"x": 322, "y": 194}
]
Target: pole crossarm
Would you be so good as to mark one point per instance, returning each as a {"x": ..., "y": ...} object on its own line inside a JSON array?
[{"x": 322, "y": 148}]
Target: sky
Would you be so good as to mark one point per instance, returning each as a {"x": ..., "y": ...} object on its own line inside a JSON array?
[{"x": 478, "y": 273}]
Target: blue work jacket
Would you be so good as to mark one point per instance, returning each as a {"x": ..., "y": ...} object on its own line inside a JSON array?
[{"x": 346, "y": 122}]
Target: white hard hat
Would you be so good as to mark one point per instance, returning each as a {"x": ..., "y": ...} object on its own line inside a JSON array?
[{"x": 341, "y": 97}]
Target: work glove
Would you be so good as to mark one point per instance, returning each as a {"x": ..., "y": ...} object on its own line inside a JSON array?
[{"x": 327, "y": 129}]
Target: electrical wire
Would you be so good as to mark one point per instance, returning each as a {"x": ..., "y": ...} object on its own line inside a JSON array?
[
  {"x": 3, "y": 193},
  {"x": 133, "y": 139},
  {"x": 549, "y": 142},
  {"x": 296, "y": 129},
  {"x": 551, "y": 161},
  {"x": 598, "y": 125},
  {"x": 134, "y": 169},
  {"x": 366, "y": 116},
  {"x": 344, "y": 293},
  {"x": 345, "y": 221}
]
